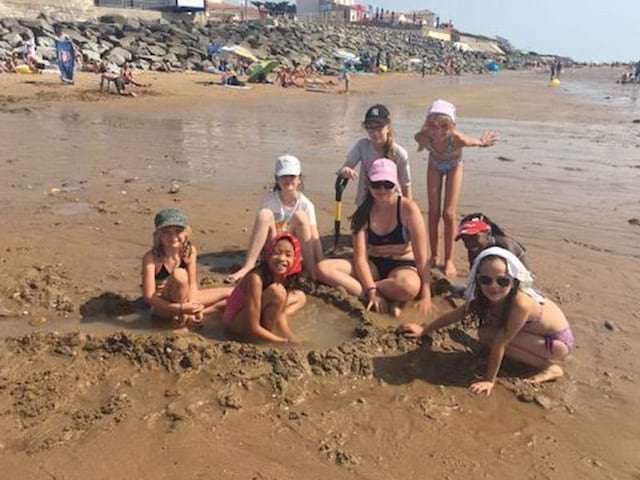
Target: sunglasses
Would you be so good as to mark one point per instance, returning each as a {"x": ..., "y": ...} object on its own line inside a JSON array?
[
  {"x": 486, "y": 280},
  {"x": 387, "y": 185}
]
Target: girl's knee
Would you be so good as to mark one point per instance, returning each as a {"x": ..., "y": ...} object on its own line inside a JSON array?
[
  {"x": 449, "y": 215},
  {"x": 434, "y": 215},
  {"x": 275, "y": 293},
  {"x": 301, "y": 217},
  {"x": 265, "y": 215},
  {"x": 323, "y": 270},
  {"x": 180, "y": 276}
]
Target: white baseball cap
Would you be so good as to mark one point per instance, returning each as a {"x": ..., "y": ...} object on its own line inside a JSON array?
[
  {"x": 442, "y": 107},
  {"x": 288, "y": 165}
]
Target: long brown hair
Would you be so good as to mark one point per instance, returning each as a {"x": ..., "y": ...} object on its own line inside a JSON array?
[
  {"x": 361, "y": 216},
  {"x": 479, "y": 307}
]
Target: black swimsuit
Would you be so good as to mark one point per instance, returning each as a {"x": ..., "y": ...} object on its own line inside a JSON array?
[
  {"x": 397, "y": 236},
  {"x": 163, "y": 273}
]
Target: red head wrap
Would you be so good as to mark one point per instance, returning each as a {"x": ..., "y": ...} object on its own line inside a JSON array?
[{"x": 296, "y": 266}]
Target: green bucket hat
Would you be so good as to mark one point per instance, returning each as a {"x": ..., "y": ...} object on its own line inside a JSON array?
[{"x": 170, "y": 217}]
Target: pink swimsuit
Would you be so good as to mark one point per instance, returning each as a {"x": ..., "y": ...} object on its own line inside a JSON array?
[{"x": 235, "y": 303}]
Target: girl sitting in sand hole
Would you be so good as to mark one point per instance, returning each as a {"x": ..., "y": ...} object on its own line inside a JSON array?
[
  {"x": 285, "y": 209},
  {"x": 379, "y": 143},
  {"x": 169, "y": 277},
  {"x": 514, "y": 319},
  {"x": 444, "y": 143},
  {"x": 389, "y": 266},
  {"x": 261, "y": 303}
]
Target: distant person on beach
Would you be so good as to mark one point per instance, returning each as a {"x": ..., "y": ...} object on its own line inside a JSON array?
[
  {"x": 558, "y": 68},
  {"x": 514, "y": 319},
  {"x": 260, "y": 305},
  {"x": 478, "y": 232},
  {"x": 423, "y": 67},
  {"x": 285, "y": 209},
  {"x": 345, "y": 76},
  {"x": 379, "y": 143},
  {"x": 444, "y": 143},
  {"x": 29, "y": 55},
  {"x": 389, "y": 266},
  {"x": 553, "y": 70},
  {"x": 169, "y": 276}
]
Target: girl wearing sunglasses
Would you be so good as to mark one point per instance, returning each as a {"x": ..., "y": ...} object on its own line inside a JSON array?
[
  {"x": 514, "y": 319},
  {"x": 390, "y": 254}
]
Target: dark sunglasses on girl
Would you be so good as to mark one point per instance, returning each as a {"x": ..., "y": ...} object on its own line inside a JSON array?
[
  {"x": 486, "y": 280},
  {"x": 387, "y": 185}
]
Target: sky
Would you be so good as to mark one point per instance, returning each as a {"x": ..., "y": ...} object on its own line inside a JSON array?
[{"x": 586, "y": 30}]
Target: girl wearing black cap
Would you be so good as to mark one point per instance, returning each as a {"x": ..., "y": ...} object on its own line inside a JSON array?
[{"x": 379, "y": 143}]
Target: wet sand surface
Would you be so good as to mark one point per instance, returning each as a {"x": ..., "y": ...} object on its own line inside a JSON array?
[{"x": 82, "y": 174}]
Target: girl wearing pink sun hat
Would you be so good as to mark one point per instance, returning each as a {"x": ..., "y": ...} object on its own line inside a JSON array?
[
  {"x": 389, "y": 266},
  {"x": 444, "y": 143}
]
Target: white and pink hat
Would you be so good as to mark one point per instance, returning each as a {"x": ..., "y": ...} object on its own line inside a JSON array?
[
  {"x": 382, "y": 170},
  {"x": 442, "y": 107}
]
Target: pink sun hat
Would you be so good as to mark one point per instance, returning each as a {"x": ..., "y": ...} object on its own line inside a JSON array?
[
  {"x": 442, "y": 107},
  {"x": 383, "y": 169}
]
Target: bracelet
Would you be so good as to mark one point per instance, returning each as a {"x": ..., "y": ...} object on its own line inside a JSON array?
[{"x": 371, "y": 289}]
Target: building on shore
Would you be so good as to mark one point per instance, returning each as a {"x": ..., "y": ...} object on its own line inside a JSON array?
[{"x": 332, "y": 11}]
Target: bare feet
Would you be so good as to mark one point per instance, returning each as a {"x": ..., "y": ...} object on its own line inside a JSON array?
[
  {"x": 552, "y": 372},
  {"x": 450, "y": 269},
  {"x": 236, "y": 276},
  {"x": 394, "y": 310}
]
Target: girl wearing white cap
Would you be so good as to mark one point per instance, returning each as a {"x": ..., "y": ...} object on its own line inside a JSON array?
[
  {"x": 285, "y": 209},
  {"x": 444, "y": 143},
  {"x": 389, "y": 266},
  {"x": 514, "y": 319}
]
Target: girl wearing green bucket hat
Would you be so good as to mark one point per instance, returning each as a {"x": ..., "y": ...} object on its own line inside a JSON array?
[{"x": 169, "y": 276}]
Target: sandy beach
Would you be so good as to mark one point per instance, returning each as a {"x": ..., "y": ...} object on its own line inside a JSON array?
[{"x": 89, "y": 388}]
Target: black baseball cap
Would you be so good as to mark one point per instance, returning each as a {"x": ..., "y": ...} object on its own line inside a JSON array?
[{"x": 378, "y": 115}]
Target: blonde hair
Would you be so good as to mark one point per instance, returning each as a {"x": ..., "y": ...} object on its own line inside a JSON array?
[
  {"x": 433, "y": 116},
  {"x": 185, "y": 251}
]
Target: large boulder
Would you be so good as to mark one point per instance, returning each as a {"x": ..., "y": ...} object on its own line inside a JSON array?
[
  {"x": 47, "y": 53},
  {"x": 13, "y": 39},
  {"x": 156, "y": 50},
  {"x": 119, "y": 56},
  {"x": 179, "y": 50},
  {"x": 90, "y": 56},
  {"x": 46, "y": 42}
]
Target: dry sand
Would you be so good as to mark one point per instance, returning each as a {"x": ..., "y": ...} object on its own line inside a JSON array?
[{"x": 81, "y": 176}]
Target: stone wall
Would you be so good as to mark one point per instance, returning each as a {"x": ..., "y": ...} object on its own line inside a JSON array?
[{"x": 71, "y": 10}]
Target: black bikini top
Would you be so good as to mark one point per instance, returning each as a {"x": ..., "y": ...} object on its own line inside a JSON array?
[
  {"x": 163, "y": 273},
  {"x": 397, "y": 236}
]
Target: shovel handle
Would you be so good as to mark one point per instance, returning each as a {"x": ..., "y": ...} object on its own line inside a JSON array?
[{"x": 341, "y": 184}]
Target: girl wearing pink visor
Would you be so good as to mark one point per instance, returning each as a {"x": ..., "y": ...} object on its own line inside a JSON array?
[
  {"x": 444, "y": 143},
  {"x": 389, "y": 266},
  {"x": 260, "y": 305}
]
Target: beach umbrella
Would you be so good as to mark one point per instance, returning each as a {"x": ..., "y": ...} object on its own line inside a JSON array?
[
  {"x": 240, "y": 52},
  {"x": 263, "y": 68},
  {"x": 341, "y": 184}
]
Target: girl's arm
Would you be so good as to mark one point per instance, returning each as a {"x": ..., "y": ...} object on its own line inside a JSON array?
[
  {"x": 415, "y": 330},
  {"x": 488, "y": 139},
  {"x": 192, "y": 270},
  {"x": 363, "y": 273},
  {"x": 517, "y": 318},
  {"x": 253, "y": 285},
  {"x": 149, "y": 289},
  {"x": 353, "y": 158},
  {"x": 418, "y": 232}
]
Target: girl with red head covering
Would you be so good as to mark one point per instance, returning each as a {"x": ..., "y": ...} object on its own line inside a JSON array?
[{"x": 261, "y": 303}]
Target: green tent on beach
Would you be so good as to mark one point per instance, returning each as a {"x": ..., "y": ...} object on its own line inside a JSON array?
[{"x": 265, "y": 67}]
